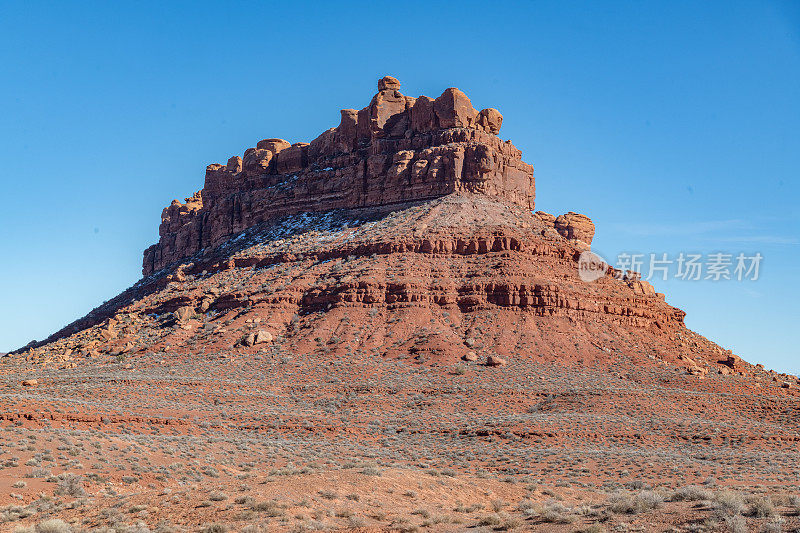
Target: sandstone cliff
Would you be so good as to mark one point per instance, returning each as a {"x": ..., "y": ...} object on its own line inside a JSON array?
[
  {"x": 411, "y": 205},
  {"x": 397, "y": 149}
]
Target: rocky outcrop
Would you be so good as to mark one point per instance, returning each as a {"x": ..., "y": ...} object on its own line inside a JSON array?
[
  {"x": 572, "y": 226},
  {"x": 397, "y": 149}
]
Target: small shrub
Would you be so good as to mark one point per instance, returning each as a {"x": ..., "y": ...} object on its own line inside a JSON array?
[
  {"x": 555, "y": 512},
  {"x": 640, "y": 503},
  {"x": 691, "y": 493},
  {"x": 371, "y": 471},
  {"x": 54, "y": 525},
  {"x": 356, "y": 521},
  {"x": 491, "y": 520},
  {"x": 509, "y": 524},
  {"x": 40, "y": 472},
  {"x": 761, "y": 508},
  {"x": 70, "y": 485},
  {"x": 736, "y": 524},
  {"x": 794, "y": 503},
  {"x": 498, "y": 505},
  {"x": 270, "y": 508},
  {"x": 728, "y": 503}
]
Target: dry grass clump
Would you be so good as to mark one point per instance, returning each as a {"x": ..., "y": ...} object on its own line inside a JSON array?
[
  {"x": 12, "y": 513},
  {"x": 491, "y": 520},
  {"x": 552, "y": 512},
  {"x": 214, "y": 528},
  {"x": 794, "y": 503},
  {"x": 593, "y": 528},
  {"x": 270, "y": 508},
  {"x": 691, "y": 493},
  {"x": 761, "y": 507},
  {"x": 461, "y": 508},
  {"x": 736, "y": 524},
  {"x": 70, "y": 485},
  {"x": 728, "y": 503},
  {"x": 217, "y": 496},
  {"x": 644, "y": 501},
  {"x": 53, "y": 525}
]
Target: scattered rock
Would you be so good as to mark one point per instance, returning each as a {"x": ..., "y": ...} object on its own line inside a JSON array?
[
  {"x": 183, "y": 314},
  {"x": 30, "y": 382},
  {"x": 695, "y": 370},
  {"x": 493, "y": 360},
  {"x": 249, "y": 339},
  {"x": 262, "y": 336},
  {"x": 470, "y": 356},
  {"x": 732, "y": 361}
]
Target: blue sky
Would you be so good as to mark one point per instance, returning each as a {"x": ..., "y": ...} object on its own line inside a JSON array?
[{"x": 673, "y": 125}]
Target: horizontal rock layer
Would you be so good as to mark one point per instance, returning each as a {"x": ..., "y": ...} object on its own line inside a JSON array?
[{"x": 397, "y": 149}]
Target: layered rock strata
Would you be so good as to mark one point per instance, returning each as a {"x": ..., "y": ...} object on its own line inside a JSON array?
[{"x": 397, "y": 149}]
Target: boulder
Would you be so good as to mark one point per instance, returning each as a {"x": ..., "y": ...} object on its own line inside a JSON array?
[
  {"x": 490, "y": 120},
  {"x": 388, "y": 106},
  {"x": 234, "y": 164},
  {"x": 257, "y": 161},
  {"x": 273, "y": 145},
  {"x": 695, "y": 370},
  {"x": 262, "y": 336},
  {"x": 575, "y": 227},
  {"x": 292, "y": 159},
  {"x": 347, "y": 131},
  {"x": 249, "y": 339},
  {"x": 454, "y": 110},
  {"x": 388, "y": 83},
  {"x": 493, "y": 360},
  {"x": 183, "y": 314},
  {"x": 423, "y": 116},
  {"x": 30, "y": 382},
  {"x": 731, "y": 360},
  {"x": 546, "y": 218}
]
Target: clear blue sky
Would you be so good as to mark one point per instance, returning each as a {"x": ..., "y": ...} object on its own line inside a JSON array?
[{"x": 674, "y": 125}]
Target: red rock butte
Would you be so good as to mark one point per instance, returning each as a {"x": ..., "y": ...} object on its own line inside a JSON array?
[
  {"x": 385, "y": 294},
  {"x": 397, "y": 149}
]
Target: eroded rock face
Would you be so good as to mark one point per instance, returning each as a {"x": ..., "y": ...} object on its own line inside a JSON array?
[
  {"x": 575, "y": 227},
  {"x": 572, "y": 226},
  {"x": 395, "y": 150}
]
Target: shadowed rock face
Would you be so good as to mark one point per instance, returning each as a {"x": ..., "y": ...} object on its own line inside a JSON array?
[{"x": 397, "y": 149}]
